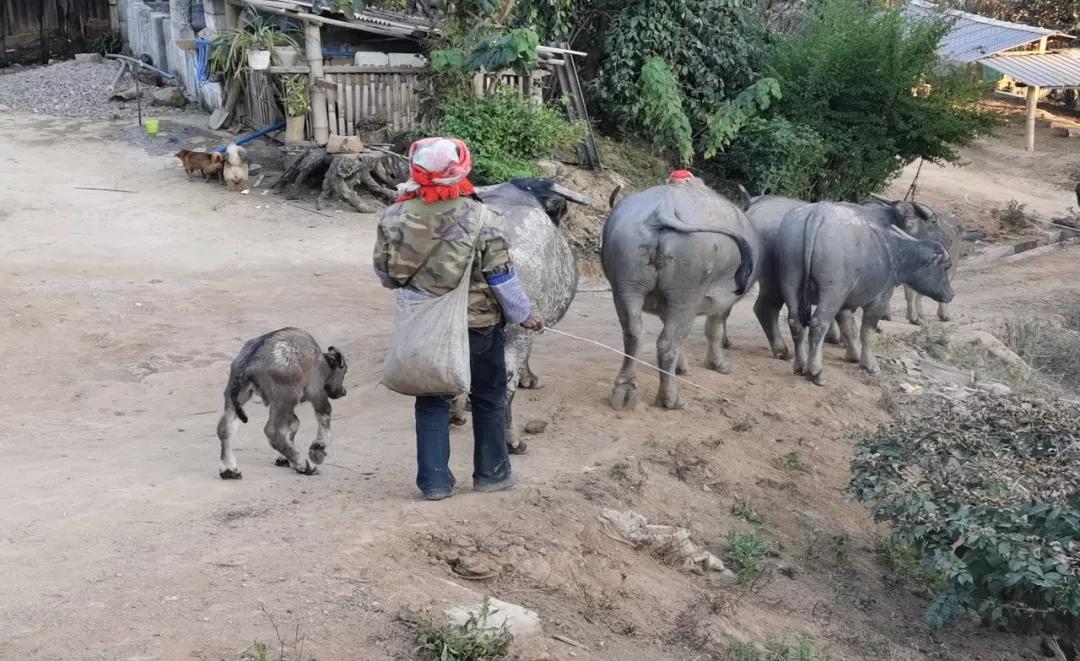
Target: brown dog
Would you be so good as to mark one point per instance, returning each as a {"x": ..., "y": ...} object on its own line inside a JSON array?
[{"x": 196, "y": 161}]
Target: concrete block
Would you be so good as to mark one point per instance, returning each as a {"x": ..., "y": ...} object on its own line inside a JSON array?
[
  {"x": 371, "y": 59},
  {"x": 211, "y": 96},
  {"x": 406, "y": 60},
  {"x": 94, "y": 58},
  {"x": 158, "y": 47}
]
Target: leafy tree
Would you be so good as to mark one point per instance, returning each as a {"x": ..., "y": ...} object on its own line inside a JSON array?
[
  {"x": 779, "y": 157},
  {"x": 850, "y": 77},
  {"x": 553, "y": 20},
  {"x": 1061, "y": 15},
  {"x": 713, "y": 49},
  {"x": 662, "y": 107}
]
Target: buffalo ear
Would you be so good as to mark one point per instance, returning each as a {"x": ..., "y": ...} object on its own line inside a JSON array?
[
  {"x": 335, "y": 358},
  {"x": 905, "y": 209}
]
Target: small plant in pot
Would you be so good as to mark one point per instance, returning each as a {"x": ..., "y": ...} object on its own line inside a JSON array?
[
  {"x": 296, "y": 98},
  {"x": 249, "y": 44}
]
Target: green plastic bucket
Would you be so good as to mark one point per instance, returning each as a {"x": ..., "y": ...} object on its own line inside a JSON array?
[{"x": 152, "y": 126}]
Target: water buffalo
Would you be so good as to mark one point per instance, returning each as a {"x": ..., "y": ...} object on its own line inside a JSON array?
[
  {"x": 677, "y": 251},
  {"x": 835, "y": 256},
  {"x": 546, "y": 267},
  {"x": 921, "y": 222}
]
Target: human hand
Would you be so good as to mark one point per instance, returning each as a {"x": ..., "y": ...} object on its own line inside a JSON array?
[{"x": 533, "y": 323}]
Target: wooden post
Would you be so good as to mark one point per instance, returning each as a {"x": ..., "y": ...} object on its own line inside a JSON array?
[
  {"x": 1042, "y": 45},
  {"x": 1032, "y": 110},
  {"x": 320, "y": 127}
]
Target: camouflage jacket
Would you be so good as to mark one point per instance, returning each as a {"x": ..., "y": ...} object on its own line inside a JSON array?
[{"x": 431, "y": 244}]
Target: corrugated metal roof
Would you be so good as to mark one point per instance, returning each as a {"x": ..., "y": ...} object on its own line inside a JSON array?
[
  {"x": 1044, "y": 70},
  {"x": 973, "y": 37}
]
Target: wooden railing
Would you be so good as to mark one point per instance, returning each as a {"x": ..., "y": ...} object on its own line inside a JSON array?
[{"x": 358, "y": 97}]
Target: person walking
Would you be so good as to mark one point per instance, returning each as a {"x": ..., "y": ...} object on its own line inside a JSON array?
[{"x": 424, "y": 243}]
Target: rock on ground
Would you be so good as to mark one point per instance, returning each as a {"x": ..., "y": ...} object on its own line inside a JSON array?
[
  {"x": 521, "y": 622},
  {"x": 73, "y": 89},
  {"x": 172, "y": 97}
]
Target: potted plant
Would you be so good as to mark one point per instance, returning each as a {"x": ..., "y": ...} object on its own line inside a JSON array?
[
  {"x": 249, "y": 44},
  {"x": 297, "y": 101},
  {"x": 286, "y": 56}
]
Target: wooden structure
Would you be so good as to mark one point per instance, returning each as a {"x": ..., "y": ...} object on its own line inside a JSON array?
[
  {"x": 358, "y": 96},
  {"x": 1040, "y": 70},
  {"x": 352, "y": 99},
  {"x": 25, "y": 22},
  {"x": 997, "y": 44}
]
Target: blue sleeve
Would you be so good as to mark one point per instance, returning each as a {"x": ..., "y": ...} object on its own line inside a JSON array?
[{"x": 512, "y": 298}]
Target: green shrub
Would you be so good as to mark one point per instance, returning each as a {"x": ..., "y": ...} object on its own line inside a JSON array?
[
  {"x": 506, "y": 133},
  {"x": 472, "y": 641},
  {"x": 745, "y": 553},
  {"x": 714, "y": 51},
  {"x": 987, "y": 490},
  {"x": 803, "y": 650},
  {"x": 850, "y": 77},
  {"x": 777, "y": 157}
]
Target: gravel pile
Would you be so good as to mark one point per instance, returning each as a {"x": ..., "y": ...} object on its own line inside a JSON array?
[{"x": 73, "y": 89}]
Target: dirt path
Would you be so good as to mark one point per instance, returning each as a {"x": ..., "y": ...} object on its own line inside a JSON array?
[{"x": 120, "y": 312}]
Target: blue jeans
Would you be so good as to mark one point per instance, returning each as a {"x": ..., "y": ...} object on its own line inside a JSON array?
[{"x": 491, "y": 461}]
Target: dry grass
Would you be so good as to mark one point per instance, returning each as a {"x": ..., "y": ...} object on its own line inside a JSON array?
[
  {"x": 1013, "y": 217},
  {"x": 1052, "y": 350}
]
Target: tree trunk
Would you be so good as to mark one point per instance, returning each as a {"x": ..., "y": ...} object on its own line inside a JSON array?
[{"x": 354, "y": 178}]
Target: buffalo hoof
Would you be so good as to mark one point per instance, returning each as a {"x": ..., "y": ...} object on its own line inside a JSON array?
[
  {"x": 872, "y": 369},
  {"x": 784, "y": 354},
  {"x": 726, "y": 343},
  {"x": 230, "y": 474},
  {"x": 944, "y": 317},
  {"x": 818, "y": 379},
  {"x": 721, "y": 367},
  {"x": 457, "y": 419},
  {"x": 797, "y": 370},
  {"x": 916, "y": 322},
  {"x": 886, "y": 317},
  {"x": 521, "y": 448},
  {"x": 307, "y": 469},
  {"x": 317, "y": 454},
  {"x": 674, "y": 403},
  {"x": 624, "y": 397},
  {"x": 834, "y": 340},
  {"x": 852, "y": 359},
  {"x": 531, "y": 382},
  {"x": 281, "y": 462}
]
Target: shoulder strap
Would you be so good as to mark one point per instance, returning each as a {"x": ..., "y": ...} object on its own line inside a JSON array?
[{"x": 476, "y": 245}]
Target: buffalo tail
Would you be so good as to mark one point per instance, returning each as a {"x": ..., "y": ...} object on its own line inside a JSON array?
[
  {"x": 235, "y": 385},
  {"x": 813, "y": 224},
  {"x": 746, "y": 255}
]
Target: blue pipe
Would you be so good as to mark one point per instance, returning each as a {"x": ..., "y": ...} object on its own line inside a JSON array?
[{"x": 253, "y": 136}]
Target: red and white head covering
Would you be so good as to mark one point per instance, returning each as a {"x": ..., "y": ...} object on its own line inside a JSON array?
[
  {"x": 438, "y": 168},
  {"x": 680, "y": 176}
]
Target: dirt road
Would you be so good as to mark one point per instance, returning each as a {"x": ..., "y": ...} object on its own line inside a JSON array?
[{"x": 120, "y": 313}]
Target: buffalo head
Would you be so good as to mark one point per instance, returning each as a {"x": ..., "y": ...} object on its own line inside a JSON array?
[{"x": 551, "y": 196}]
